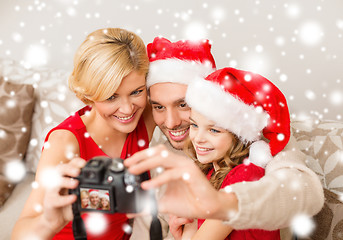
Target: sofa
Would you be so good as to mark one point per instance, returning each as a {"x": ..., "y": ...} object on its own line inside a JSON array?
[{"x": 35, "y": 100}]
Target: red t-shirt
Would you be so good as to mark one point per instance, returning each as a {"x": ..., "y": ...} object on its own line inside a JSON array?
[
  {"x": 247, "y": 173},
  {"x": 88, "y": 150}
]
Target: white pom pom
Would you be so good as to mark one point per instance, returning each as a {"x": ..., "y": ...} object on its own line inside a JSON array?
[{"x": 259, "y": 153}]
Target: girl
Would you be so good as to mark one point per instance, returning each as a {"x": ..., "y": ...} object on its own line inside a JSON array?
[
  {"x": 105, "y": 201},
  {"x": 109, "y": 75},
  {"x": 230, "y": 110}
]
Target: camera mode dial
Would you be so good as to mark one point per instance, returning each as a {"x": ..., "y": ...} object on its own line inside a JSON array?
[{"x": 116, "y": 165}]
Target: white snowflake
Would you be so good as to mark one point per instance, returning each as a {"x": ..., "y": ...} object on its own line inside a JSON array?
[{"x": 302, "y": 225}]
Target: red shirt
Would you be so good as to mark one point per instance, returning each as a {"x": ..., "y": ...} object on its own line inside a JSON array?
[
  {"x": 88, "y": 150},
  {"x": 247, "y": 173}
]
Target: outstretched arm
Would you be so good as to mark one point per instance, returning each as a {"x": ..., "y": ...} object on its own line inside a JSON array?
[
  {"x": 288, "y": 188},
  {"x": 212, "y": 229},
  {"x": 48, "y": 208},
  {"x": 188, "y": 194}
]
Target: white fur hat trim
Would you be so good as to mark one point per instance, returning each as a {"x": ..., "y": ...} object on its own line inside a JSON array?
[
  {"x": 174, "y": 70},
  {"x": 259, "y": 153},
  {"x": 209, "y": 99}
]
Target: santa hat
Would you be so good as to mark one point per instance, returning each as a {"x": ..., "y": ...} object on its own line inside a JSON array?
[
  {"x": 106, "y": 196},
  {"x": 246, "y": 104},
  {"x": 93, "y": 192},
  {"x": 179, "y": 62}
]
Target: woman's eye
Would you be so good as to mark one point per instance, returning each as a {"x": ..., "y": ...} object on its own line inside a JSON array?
[
  {"x": 137, "y": 92},
  {"x": 111, "y": 98}
]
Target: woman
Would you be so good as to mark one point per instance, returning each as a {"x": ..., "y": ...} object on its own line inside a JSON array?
[
  {"x": 84, "y": 195},
  {"x": 109, "y": 74}
]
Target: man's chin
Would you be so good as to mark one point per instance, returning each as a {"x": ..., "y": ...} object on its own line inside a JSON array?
[{"x": 176, "y": 145}]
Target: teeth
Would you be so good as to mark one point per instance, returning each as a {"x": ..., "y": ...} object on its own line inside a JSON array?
[
  {"x": 124, "y": 118},
  {"x": 203, "y": 149},
  {"x": 179, "y": 133}
]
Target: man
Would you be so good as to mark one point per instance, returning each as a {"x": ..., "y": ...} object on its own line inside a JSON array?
[
  {"x": 94, "y": 199},
  {"x": 291, "y": 185}
]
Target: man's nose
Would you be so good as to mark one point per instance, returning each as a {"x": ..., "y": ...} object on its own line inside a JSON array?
[{"x": 172, "y": 119}]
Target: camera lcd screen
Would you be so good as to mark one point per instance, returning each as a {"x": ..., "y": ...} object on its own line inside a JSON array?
[{"x": 97, "y": 199}]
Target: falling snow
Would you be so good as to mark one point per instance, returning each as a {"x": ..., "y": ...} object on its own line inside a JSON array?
[
  {"x": 141, "y": 142},
  {"x": 96, "y": 223},
  {"x": 302, "y": 225},
  {"x": 15, "y": 171},
  {"x": 297, "y": 45}
]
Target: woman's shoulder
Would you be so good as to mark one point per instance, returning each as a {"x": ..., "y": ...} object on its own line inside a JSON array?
[{"x": 245, "y": 172}]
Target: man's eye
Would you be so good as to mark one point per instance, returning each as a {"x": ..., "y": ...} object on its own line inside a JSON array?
[
  {"x": 183, "y": 105},
  {"x": 158, "y": 107}
]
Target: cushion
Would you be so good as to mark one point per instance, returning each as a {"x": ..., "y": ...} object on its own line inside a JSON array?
[
  {"x": 54, "y": 102},
  {"x": 322, "y": 142},
  {"x": 17, "y": 103},
  {"x": 329, "y": 220}
]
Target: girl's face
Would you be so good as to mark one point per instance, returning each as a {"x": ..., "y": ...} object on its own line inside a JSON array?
[
  {"x": 124, "y": 108},
  {"x": 104, "y": 202},
  {"x": 210, "y": 142}
]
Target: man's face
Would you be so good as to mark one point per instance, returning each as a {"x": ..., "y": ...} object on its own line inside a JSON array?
[
  {"x": 95, "y": 200},
  {"x": 170, "y": 111}
]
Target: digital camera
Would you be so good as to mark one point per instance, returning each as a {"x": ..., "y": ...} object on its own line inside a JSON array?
[{"x": 106, "y": 186}]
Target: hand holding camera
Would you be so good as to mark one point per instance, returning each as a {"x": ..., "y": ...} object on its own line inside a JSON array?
[{"x": 106, "y": 186}]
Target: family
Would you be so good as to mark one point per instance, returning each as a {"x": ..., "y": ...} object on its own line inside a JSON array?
[
  {"x": 95, "y": 199},
  {"x": 227, "y": 169}
]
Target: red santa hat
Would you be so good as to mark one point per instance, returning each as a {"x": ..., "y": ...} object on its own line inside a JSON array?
[
  {"x": 93, "y": 192},
  {"x": 247, "y": 105},
  {"x": 106, "y": 196},
  {"x": 179, "y": 62}
]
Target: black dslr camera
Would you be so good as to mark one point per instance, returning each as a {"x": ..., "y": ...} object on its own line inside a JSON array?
[{"x": 107, "y": 186}]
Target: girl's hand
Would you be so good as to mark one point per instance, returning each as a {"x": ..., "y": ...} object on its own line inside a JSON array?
[
  {"x": 176, "y": 225},
  {"x": 57, "y": 210}
]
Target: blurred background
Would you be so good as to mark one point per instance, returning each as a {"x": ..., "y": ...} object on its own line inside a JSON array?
[{"x": 297, "y": 44}]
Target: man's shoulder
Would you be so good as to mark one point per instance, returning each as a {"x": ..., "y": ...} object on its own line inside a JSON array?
[{"x": 158, "y": 138}]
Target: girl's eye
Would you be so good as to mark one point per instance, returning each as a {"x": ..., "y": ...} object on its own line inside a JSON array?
[
  {"x": 194, "y": 125},
  {"x": 214, "y": 130}
]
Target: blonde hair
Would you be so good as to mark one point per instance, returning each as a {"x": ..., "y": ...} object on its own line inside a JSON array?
[
  {"x": 233, "y": 157},
  {"x": 83, "y": 193},
  {"x": 103, "y": 60}
]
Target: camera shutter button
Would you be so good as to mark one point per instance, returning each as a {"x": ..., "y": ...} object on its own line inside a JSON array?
[{"x": 109, "y": 179}]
